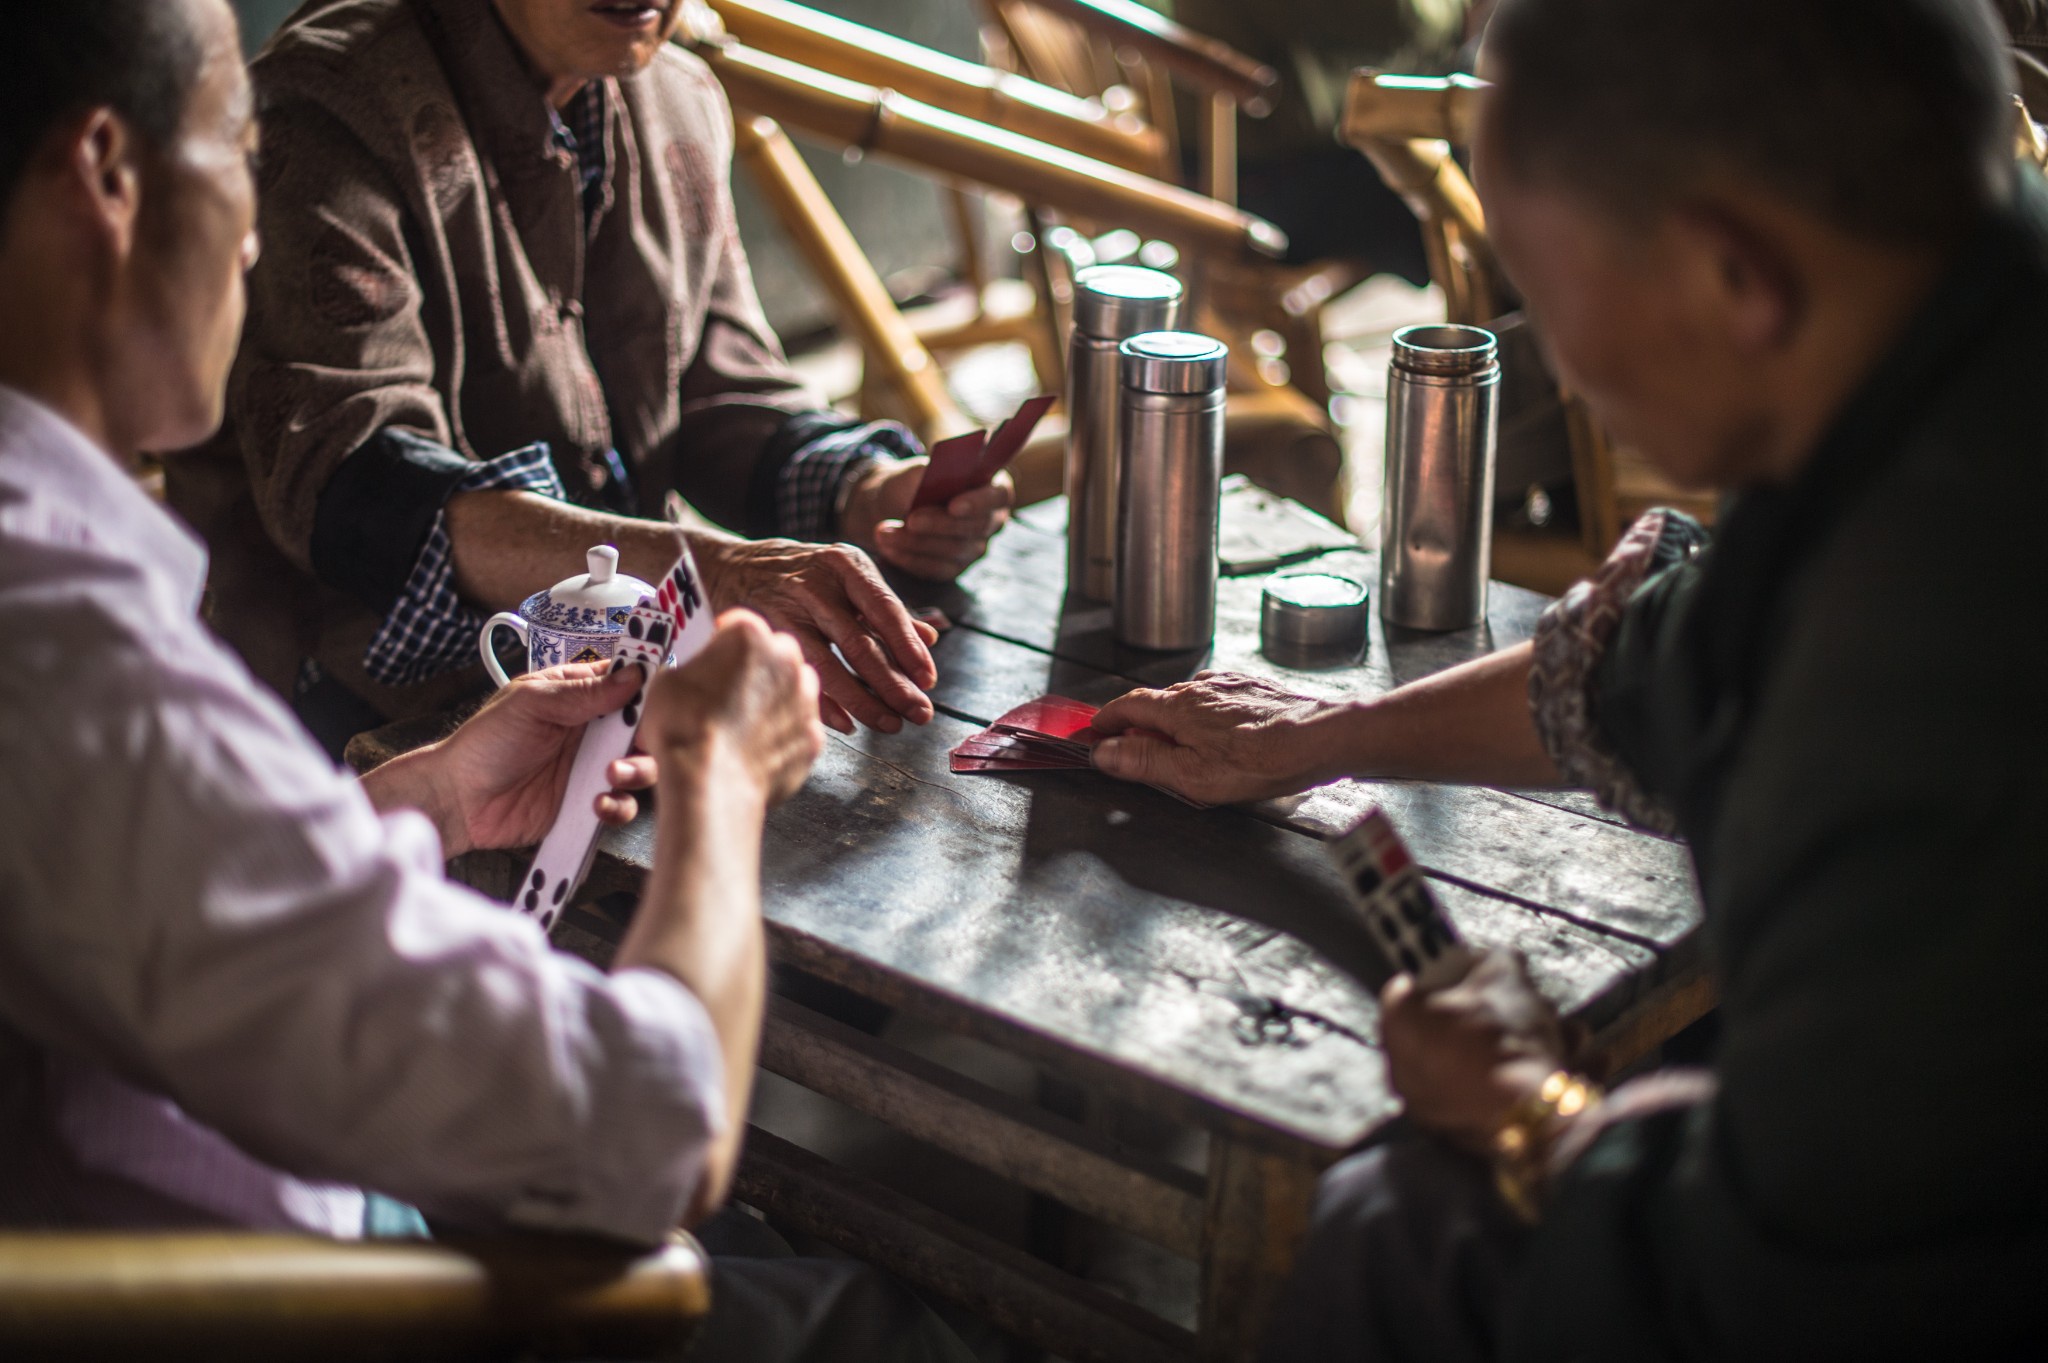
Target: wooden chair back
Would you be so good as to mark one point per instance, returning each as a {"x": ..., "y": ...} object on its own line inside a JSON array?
[{"x": 1406, "y": 126}]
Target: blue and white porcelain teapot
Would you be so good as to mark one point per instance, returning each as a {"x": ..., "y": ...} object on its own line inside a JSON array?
[{"x": 577, "y": 620}]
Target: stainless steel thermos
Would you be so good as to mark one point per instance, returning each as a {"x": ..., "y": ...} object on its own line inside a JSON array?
[
  {"x": 1436, "y": 521},
  {"x": 1112, "y": 303},
  {"x": 1169, "y": 488}
]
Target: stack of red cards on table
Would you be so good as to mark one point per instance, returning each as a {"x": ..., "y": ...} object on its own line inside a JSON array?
[
  {"x": 1052, "y": 733},
  {"x": 1048, "y": 734}
]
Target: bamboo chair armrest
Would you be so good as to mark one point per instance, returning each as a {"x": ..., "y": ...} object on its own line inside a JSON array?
[
  {"x": 842, "y": 48},
  {"x": 849, "y": 114},
  {"x": 1383, "y": 107},
  {"x": 258, "y": 1297},
  {"x": 1209, "y": 66}
]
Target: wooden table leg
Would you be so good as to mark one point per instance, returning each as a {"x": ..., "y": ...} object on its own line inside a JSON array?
[{"x": 1257, "y": 1212}]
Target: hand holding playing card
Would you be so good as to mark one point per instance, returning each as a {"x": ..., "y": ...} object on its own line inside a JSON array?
[
  {"x": 1221, "y": 739},
  {"x": 746, "y": 707},
  {"x": 1463, "y": 1056},
  {"x": 934, "y": 542},
  {"x": 935, "y": 516},
  {"x": 499, "y": 778}
]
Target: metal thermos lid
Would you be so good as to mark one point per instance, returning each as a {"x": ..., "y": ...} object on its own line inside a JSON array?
[
  {"x": 1312, "y": 619},
  {"x": 1177, "y": 362},
  {"x": 1112, "y": 302},
  {"x": 1445, "y": 349}
]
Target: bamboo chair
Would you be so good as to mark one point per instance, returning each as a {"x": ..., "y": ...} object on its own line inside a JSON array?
[
  {"x": 997, "y": 98},
  {"x": 1406, "y": 125},
  {"x": 936, "y": 140},
  {"x": 1127, "y": 55},
  {"x": 295, "y": 1299}
]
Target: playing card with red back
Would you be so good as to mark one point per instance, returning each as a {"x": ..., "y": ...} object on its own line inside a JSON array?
[
  {"x": 1052, "y": 733},
  {"x": 1053, "y": 716},
  {"x": 1010, "y": 438},
  {"x": 1020, "y": 748},
  {"x": 955, "y": 465},
  {"x": 971, "y": 461},
  {"x": 962, "y": 763}
]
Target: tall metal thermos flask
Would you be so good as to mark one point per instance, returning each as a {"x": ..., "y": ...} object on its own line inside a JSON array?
[
  {"x": 1169, "y": 489},
  {"x": 1112, "y": 303},
  {"x": 1436, "y": 527}
]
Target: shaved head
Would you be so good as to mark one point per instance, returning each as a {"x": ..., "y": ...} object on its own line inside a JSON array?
[{"x": 1890, "y": 119}]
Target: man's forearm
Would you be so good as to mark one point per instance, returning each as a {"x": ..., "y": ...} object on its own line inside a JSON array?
[
  {"x": 700, "y": 921},
  {"x": 508, "y": 545},
  {"x": 413, "y": 781},
  {"x": 1470, "y": 724}
]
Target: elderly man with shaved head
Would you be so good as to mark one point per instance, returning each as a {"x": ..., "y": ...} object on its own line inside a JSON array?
[{"x": 1782, "y": 249}]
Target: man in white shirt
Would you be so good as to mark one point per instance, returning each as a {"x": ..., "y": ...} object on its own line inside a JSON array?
[{"x": 235, "y": 985}]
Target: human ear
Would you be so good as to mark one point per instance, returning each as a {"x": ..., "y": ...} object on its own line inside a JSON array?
[
  {"x": 1750, "y": 283},
  {"x": 104, "y": 171}
]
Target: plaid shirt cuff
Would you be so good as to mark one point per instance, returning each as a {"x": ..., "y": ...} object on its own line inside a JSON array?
[
  {"x": 809, "y": 490},
  {"x": 429, "y": 630}
]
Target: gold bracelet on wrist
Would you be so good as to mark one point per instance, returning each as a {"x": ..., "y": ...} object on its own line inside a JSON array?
[{"x": 1521, "y": 1147}]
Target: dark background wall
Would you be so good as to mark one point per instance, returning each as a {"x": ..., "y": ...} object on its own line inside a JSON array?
[{"x": 898, "y": 218}]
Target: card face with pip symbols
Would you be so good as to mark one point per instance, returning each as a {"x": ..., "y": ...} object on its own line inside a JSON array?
[
  {"x": 670, "y": 627},
  {"x": 1393, "y": 900}
]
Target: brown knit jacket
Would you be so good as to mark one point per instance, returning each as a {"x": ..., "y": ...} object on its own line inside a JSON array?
[{"x": 427, "y": 266}]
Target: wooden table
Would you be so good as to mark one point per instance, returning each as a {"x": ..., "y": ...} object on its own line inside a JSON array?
[{"x": 1195, "y": 963}]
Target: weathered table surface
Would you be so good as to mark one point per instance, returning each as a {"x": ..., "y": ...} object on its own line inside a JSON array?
[
  {"x": 1199, "y": 960},
  {"x": 1196, "y": 963}
]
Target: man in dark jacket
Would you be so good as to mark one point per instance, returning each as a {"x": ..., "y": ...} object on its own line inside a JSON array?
[
  {"x": 502, "y": 311},
  {"x": 1784, "y": 251}
]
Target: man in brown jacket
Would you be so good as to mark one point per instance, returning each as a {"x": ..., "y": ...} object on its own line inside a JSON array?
[{"x": 502, "y": 310}]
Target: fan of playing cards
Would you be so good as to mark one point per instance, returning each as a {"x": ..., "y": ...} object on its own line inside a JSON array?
[
  {"x": 973, "y": 460},
  {"x": 1052, "y": 733},
  {"x": 1396, "y": 905},
  {"x": 666, "y": 629},
  {"x": 1049, "y": 734}
]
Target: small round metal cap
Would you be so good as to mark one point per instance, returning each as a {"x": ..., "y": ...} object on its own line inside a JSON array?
[
  {"x": 1445, "y": 348},
  {"x": 1113, "y": 302},
  {"x": 1313, "y": 619},
  {"x": 1180, "y": 362}
]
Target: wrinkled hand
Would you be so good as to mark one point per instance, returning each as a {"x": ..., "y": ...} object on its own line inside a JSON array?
[
  {"x": 1220, "y": 739},
  {"x": 1462, "y": 1057},
  {"x": 501, "y": 775},
  {"x": 749, "y": 696},
  {"x": 937, "y": 542},
  {"x": 827, "y": 595}
]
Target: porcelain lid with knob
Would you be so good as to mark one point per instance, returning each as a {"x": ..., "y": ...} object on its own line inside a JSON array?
[{"x": 594, "y": 602}]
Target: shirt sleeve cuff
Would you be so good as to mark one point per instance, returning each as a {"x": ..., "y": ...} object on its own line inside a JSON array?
[
  {"x": 655, "y": 1111},
  {"x": 427, "y": 630},
  {"x": 1572, "y": 638},
  {"x": 796, "y": 481},
  {"x": 377, "y": 510},
  {"x": 810, "y": 489}
]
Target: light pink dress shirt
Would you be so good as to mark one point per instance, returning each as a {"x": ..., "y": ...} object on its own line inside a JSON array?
[{"x": 231, "y": 991}]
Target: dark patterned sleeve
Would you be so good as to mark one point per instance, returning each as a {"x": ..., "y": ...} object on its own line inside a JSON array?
[{"x": 1571, "y": 640}]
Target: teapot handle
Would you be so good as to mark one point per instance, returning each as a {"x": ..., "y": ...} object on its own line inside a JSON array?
[{"x": 483, "y": 643}]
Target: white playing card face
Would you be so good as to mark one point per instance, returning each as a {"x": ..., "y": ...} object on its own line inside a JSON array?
[
  {"x": 1395, "y": 903},
  {"x": 682, "y": 596},
  {"x": 656, "y": 634}
]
